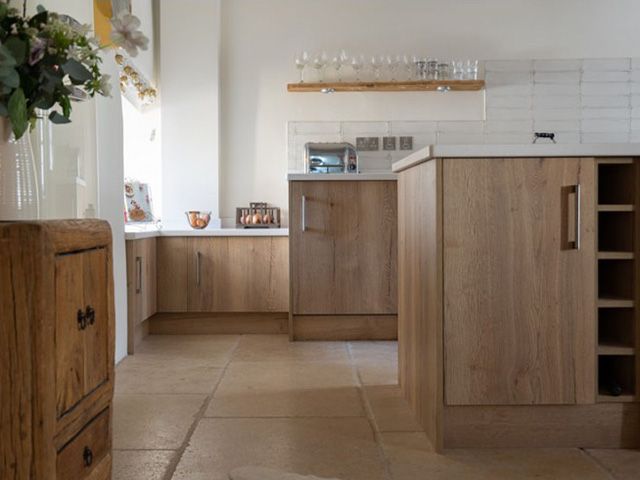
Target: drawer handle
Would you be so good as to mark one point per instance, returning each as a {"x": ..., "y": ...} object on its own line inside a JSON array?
[
  {"x": 138, "y": 274},
  {"x": 90, "y": 315},
  {"x": 87, "y": 456},
  {"x": 82, "y": 320}
]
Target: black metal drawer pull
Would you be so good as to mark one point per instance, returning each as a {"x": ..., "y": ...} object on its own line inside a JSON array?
[
  {"x": 87, "y": 456},
  {"x": 90, "y": 313},
  {"x": 82, "y": 320}
]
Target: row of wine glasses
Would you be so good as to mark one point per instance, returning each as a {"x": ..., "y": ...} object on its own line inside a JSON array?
[{"x": 389, "y": 67}]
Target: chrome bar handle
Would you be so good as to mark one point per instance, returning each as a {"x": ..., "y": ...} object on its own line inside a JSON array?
[
  {"x": 304, "y": 213},
  {"x": 198, "y": 257},
  {"x": 578, "y": 216},
  {"x": 138, "y": 274}
]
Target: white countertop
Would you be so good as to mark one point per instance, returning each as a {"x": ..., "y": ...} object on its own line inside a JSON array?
[
  {"x": 134, "y": 232},
  {"x": 370, "y": 176},
  {"x": 528, "y": 150}
]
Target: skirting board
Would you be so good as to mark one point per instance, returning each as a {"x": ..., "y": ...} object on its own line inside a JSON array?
[
  {"x": 217, "y": 323},
  {"x": 344, "y": 327},
  {"x": 603, "y": 425}
]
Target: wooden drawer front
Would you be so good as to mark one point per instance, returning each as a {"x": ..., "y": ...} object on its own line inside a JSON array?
[
  {"x": 79, "y": 458},
  {"x": 81, "y": 335}
]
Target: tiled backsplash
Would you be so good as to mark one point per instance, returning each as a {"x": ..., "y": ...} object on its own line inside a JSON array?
[{"x": 581, "y": 101}]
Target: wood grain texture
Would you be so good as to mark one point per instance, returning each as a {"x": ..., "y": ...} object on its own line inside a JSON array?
[
  {"x": 238, "y": 274},
  {"x": 420, "y": 295},
  {"x": 345, "y": 263},
  {"x": 519, "y": 323},
  {"x": 29, "y": 259},
  {"x": 218, "y": 323},
  {"x": 141, "y": 287},
  {"x": 172, "y": 271},
  {"x": 345, "y": 327},
  {"x": 543, "y": 426},
  {"x": 95, "y": 436},
  {"x": 406, "y": 86}
]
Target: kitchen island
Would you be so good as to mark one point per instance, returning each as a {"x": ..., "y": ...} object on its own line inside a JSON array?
[{"x": 517, "y": 294}]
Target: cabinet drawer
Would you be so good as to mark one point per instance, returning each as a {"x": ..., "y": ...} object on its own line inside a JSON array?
[{"x": 79, "y": 458}]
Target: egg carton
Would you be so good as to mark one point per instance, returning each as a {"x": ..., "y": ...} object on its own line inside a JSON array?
[{"x": 258, "y": 215}]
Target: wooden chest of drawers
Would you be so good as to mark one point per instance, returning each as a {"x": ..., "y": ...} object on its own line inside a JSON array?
[{"x": 56, "y": 350}]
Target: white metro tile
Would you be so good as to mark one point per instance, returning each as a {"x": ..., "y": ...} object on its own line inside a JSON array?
[
  {"x": 635, "y": 63},
  {"x": 606, "y": 88},
  {"x": 635, "y": 88},
  {"x": 567, "y": 137},
  {"x": 635, "y": 124},
  {"x": 461, "y": 127},
  {"x": 556, "y": 125},
  {"x": 316, "y": 127},
  {"x": 635, "y": 101},
  {"x": 604, "y": 125},
  {"x": 607, "y": 137},
  {"x": 508, "y": 65},
  {"x": 508, "y": 138},
  {"x": 556, "y": 101},
  {"x": 523, "y": 101},
  {"x": 606, "y": 76},
  {"x": 635, "y": 136},
  {"x": 620, "y": 113},
  {"x": 423, "y": 139},
  {"x": 510, "y": 126},
  {"x": 556, "y": 65},
  {"x": 607, "y": 101},
  {"x": 556, "y": 77},
  {"x": 402, "y": 128},
  {"x": 556, "y": 88},
  {"x": 635, "y": 112},
  {"x": 635, "y": 76},
  {"x": 460, "y": 138},
  {"x": 601, "y": 64},
  {"x": 509, "y": 90},
  {"x": 508, "y": 78},
  {"x": 508, "y": 113},
  {"x": 556, "y": 113},
  {"x": 365, "y": 128}
]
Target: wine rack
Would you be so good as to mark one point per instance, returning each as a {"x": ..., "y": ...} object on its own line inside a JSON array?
[{"x": 618, "y": 242}]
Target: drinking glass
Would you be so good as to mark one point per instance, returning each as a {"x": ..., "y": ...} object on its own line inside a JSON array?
[
  {"x": 393, "y": 62},
  {"x": 458, "y": 69},
  {"x": 471, "y": 69},
  {"x": 376, "y": 64},
  {"x": 337, "y": 63},
  {"x": 319, "y": 62},
  {"x": 409, "y": 65},
  {"x": 302, "y": 60},
  {"x": 357, "y": 62}
]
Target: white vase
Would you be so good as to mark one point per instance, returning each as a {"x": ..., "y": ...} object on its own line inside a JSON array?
[{"x": 19, "y": 197}]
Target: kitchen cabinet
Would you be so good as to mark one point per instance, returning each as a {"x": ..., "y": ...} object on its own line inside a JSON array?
[
  {"x": 56, "y": 350},
  {"x": 511, "y": 272},
  {"x": 343, "y": 259},
  {"x": 237, "y": 274},
  {"x": 141, "y": 287},
  {"x": 515, "y": 297}
]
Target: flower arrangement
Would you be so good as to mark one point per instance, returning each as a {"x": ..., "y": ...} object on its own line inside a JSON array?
[{"x": 48, "y": 59}]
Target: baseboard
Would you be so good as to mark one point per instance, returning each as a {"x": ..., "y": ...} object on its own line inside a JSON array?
[
  {"x": 344, "y": 327},
  {"x": 218, "y": 323},
  {"x": 603, "y": 425}
]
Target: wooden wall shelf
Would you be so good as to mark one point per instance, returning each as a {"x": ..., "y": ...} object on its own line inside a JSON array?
[{"x": 413, "y": 86}]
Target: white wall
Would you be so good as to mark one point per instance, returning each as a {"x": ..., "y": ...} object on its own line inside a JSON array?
[
  {"x": 189, "y": 44},
  {"x": 259, "y": 39}
]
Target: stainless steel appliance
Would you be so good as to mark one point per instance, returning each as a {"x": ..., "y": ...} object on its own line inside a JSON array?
[{"x": 330, "y": 158}]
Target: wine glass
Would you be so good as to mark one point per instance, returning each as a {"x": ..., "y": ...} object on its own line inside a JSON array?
[
  {"x": 357, "y": 62},
  {"x": 302, "y": 60},
  {"x": 376, "y": 64},
  {"x": 337, "y": 63},
  {"x": 409, "y": 65},
  {"x": 319, "y": 62},
  {"x": 393, "y": 62}
]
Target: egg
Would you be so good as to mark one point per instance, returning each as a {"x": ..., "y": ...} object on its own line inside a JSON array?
[
  {"x": 242, "y": 219},
  {"x": 247, "y": 220},
  {"x": 266, "y": 218},
  {"x": 257, "y": 218}
]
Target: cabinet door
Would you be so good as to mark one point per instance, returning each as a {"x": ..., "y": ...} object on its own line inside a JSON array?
[
  {"x": 96, "y": 334},
  {"x": 238, "y": 274},
  {"x": 69, "y": 338},
  {"x": 147, "y": 252},
  {"x": 519, "y": 304},
  {"x": 172, "y": 274},
  {"x": 343, "y": 247}
]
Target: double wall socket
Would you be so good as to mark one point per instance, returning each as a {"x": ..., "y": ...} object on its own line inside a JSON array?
[{"x": 367, "y": 144}]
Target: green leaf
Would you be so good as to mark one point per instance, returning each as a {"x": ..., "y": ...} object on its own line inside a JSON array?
[
  {"x": 40, "y": 17},
  {"x": 18, "y": 48},
  {"x": 58, "y": 118},
  {"x": 6, "y": 57},
  {"x": 18, "y": 112},
  {"x": 40, "y": 9},
  {"x": 77, "y": 71},
  {"x": 4, "y": 9},
  {"x": 9, "y": 77},
  {"x": 44, "y": 102}
]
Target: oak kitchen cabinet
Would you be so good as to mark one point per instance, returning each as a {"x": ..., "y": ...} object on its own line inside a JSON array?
[
  {"x": 343, "y": 259},
  {"x": 56, "y": 349},
  {"x": 141, "y": 287},
  {"x": 501, "y": 292}
]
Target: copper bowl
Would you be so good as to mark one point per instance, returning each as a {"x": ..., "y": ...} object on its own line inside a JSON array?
[{"x": 197, "y": 219}]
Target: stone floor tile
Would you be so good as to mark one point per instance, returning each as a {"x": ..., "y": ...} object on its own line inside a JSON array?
[
  {"x": 141, "y": 464},
  {"x": 623, "y": 464},
  {"x": 272, "y": 348},
  {"x": 391, "y": 412}
]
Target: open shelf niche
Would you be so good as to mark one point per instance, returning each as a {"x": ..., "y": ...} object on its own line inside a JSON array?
[{"x": 618, "y": 332}]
